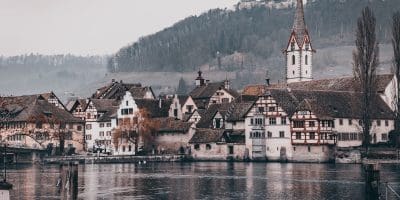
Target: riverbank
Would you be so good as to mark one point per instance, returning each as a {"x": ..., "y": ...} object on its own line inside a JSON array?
[{"x": 112, "y": 159}]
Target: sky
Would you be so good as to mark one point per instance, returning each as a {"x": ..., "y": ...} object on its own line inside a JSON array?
[{"x": 89, "y": 27}]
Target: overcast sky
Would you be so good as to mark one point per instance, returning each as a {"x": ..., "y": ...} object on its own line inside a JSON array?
[{"x": 88, "y": 27}]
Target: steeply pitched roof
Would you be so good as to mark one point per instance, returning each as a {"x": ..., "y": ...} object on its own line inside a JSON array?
[
  {"x": 171, "y": 125},
  {"x": 153, "y": 107},
  {"x": 238, "y": 111},
  {"x": 207, "y": 118},
  {"x": 337, "y": 84},
  {"x": 31, "y": 108},
  {"x": 329, "y": 104},
  {"x": 182, "y": 99},
  {"x": 207, "y": 136},
  {"x": 299, "y": 25},
  {"x": 110, "y": 113},
  {"x": 116, "y": 90},
  {"x": 208, "y": 90},
  {"x": 103, "y": 105}
]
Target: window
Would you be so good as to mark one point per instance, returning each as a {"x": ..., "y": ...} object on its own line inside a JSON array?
[
  {"x": 189, "y": 108},
  {"x": 272, "y": 120},
  {"x": 197, "y": 147},
  {"x": 108, "y": 133},
  {"x": 360, "y": 122},
  {"x": 175, "y": 112},
  {"x": 350, "y": 122},
  {"x": 225, "y": 100},
  {"x": 312, "y": 135},
  {"x": 340, "y": 122},
  {"x": 311, "y": 123},
  {"x": 126, "y": 103},
  {"x": 306, "y": 59},
  {"x": 123, "y": 148},
  {"x": 261, "y": 109},
  {"x": 257, "y": 134},
  {"x": 88, "y": 126},
  {"x": 129, "y": 148},
  {"x": 309, "y": 148},
  {"x": 39, "y": 125},
  {"x": 283, "y": 120},
  {"x": 101, "y": 133},
  {"x": 378, "y": 122},
  {"x": 208, "y": 146},
  {"x": 293, "y": 72},
  {"x": 294, "y": 148},
  {"x": 298, "y": 124},
  {"x": 88, "y": 116},
  {"x": 384, "y": 136},
  {"x": 292, "y": 46},
  {"x": 79, "y": 128},
  {"x": 271, "y": 109},
  {"x": 230, "y": 149},
  {"x": 298, "y": 135},
  {"x": 108, "y": 124},
  {"x": 251, "y": 121},
  {"x": 259, "y": 121},
  {"x": 70, "y": 126},
  {"x": 386, "y": 122},
  {"x": 218, "y": 123},
  {"x": 101, "y": 125},
  {"x": 293, "y": 60},
  {"x": 281, "y": 134},
  {"x": 88, "y": 137},
  {"x": 269, "y": 134}
]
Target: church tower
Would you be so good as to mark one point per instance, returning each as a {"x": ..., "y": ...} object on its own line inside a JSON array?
[{"x": 299, "y": 51}]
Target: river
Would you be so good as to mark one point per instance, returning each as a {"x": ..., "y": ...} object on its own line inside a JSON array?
[{"x": 201, "y": 180}]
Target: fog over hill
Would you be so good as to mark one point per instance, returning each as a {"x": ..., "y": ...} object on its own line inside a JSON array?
[{"x": 249, "y": 42}]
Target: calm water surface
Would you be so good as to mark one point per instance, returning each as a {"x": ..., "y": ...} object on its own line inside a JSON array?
[{"x": 206, "y": 180}]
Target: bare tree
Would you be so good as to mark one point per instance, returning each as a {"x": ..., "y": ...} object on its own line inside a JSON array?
[
  {"x": 365, "y": 64},
  {"x": 139, "y": 131},
  {"x": 396, "y": 62}
]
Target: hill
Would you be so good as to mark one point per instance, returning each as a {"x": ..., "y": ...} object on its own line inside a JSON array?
[{"x": 259, "y": 32}]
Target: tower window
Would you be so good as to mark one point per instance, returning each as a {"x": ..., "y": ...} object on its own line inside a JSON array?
[
  {"x": 292, "y": 46},
  {"x": 293, "y": 72},
  {"x": 293, "y": 60},
  {"x": 307, "y": 47},
  {"x": 306, "y": 59}
]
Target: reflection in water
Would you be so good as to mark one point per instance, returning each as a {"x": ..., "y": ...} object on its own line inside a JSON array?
[{"x": 203, "y": 180}]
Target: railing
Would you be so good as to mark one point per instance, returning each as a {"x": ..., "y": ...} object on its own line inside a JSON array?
[{"x": 390, "y": 193}]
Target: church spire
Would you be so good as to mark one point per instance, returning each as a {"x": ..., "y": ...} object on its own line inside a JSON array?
[{"x": 299, "y": 25}]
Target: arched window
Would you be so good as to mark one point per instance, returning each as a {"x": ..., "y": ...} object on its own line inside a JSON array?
[
  {"x": 293, "y": 60},
  {"x": 292, "y": 46},
  {"x": 306, "y": 59}
]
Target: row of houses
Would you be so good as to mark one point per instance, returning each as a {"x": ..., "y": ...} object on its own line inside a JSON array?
[
  {"x": 301, "y": 120},
  {"x": 280, "y": 122}
]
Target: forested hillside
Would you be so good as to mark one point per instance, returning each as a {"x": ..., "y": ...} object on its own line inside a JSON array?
[{"x": 259, "y": 32}]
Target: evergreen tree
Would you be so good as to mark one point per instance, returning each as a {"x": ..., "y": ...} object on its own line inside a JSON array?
[{"x": 182, "y": 87}]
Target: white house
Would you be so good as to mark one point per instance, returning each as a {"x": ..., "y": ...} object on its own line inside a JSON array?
[{"x": 101, "y": 119}]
